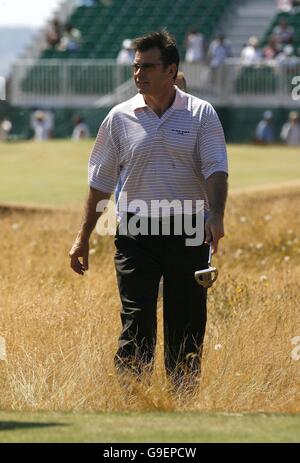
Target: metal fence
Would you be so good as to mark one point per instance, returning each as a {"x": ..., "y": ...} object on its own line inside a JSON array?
[
  {"x": 59, "y": 83},
  {"x": 265, "y": 83},
  {"x": 90, "y": 83}
]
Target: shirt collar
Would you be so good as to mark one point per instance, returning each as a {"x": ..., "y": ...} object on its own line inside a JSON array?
[
  {"x": 180, "y": 102},
  {"x": 138, "y": 102}
]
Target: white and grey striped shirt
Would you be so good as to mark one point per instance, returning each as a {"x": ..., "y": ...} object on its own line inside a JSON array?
[{"x": 156, "y": 158}]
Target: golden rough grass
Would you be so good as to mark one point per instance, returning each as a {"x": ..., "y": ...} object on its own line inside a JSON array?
[{"x": 61, "y": 329}]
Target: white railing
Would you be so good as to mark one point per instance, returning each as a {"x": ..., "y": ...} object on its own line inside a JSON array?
[
  {"x": 265, "y": 83},
  {"x": 58, "y": 83},
  {"x": 90, "y": 83}
]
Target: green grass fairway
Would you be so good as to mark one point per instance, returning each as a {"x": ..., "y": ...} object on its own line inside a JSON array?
[
  {"x": 55, "y": 172},
  {"x": 255, "y": 166},
  {"x": 148, "y": 427}
]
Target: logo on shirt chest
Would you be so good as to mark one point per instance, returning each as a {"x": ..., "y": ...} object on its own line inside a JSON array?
[{"x": 180, "y": 132}]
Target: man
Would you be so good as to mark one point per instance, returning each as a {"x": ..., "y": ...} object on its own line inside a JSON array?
[
  {"x": 81, "y": 129},
  {"x": 5, "y": 128},
  {"x": 264, "y": 132},
  {"x": 218, "y": 51},
  {"x": 126, "y": 54},
  {"x": 290, "y": 132},
  {"x": 42, "y": 123},
  {"x": 250, "y": 53},
  {"x": 194, "y": 44},
  {"x": 283, "y": 32},
  {"x": 163, "y": 144}
]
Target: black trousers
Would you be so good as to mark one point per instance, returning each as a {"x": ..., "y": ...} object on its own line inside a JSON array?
[{"x": 140, "y": 262}]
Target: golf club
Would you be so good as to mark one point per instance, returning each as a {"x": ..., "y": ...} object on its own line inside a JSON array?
[{"x": 207, "y": 276}]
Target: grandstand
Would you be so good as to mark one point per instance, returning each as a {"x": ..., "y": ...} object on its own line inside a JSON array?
[
  {"x": 105, "y": 25},
  {"x": 293, "y": 19},
  {"x": 267, "y": 77},
  {"x": 90, "y": 81}
]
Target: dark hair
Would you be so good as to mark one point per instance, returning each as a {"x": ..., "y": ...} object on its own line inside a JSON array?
[{"x": 162, "y": 40}]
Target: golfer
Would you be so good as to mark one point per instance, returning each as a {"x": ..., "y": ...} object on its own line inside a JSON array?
[{"x": 161, "y": 145}]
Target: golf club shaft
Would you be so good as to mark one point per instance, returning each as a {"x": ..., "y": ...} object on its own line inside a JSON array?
[{"x": 209, "y": 254}]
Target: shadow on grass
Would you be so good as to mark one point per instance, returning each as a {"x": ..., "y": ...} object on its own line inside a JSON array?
[{"x": 12, "y": 425}]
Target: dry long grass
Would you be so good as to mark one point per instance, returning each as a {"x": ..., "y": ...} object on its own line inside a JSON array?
[{"x": 61, "y": 329}]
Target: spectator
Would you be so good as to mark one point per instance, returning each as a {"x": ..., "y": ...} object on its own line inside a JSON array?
[
  {"x": 290, "y": 132},
  {"x": 81, "y": 129},
  {"x": 194, "y": 44},
  {"x": 42, "y": 125},
  {"x": 283, "y": 32},
  {"x": 180, "y": 81},
  {"x": 272, "y": 49},
  {"x": 284, "y": 5},
  {"x": 126, "y": 54},
  {"x": 71, "y": 39},
  {"x": 250, "y": 54},
  {"x": 218, "y": 51},
  {"x": 288, "y": 59},
  {"x": 5, "y": 128},
  {"x": 265, "y": 133},
  {"x": 54, "y": 33}
]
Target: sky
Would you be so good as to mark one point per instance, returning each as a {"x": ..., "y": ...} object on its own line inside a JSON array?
[
  {"x": 19, "y": 19},
  {"x": 32, "y": 13}
]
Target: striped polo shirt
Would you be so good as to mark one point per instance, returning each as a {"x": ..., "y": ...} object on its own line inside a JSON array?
[{"x": 158, "y": 158}]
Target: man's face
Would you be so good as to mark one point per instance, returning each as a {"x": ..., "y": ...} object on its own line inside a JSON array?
[{"x": 150, "y": 75}]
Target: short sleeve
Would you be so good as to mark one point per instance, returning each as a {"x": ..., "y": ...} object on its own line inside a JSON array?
[
  {"x": 211, "y": 143},
  {"x": 103, "y": 168}
]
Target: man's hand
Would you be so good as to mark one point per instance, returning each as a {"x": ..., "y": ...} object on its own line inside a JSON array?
[
  {"x": 216, "y": 187},
  {"x": 214, "y": 230},
  {"x": 80, "y": 248}
]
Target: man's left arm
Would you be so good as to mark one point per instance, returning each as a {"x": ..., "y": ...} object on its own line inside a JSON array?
[{"x": 216, "y": 188}]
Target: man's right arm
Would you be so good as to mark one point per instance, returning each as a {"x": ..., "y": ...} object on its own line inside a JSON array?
[{"x": 80, "y": 248}]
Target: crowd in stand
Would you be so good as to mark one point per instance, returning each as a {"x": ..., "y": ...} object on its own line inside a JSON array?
[
  {"x": 280, "y": 46},
  {"x": 288, "y": 5},
  {"x": 63, "y": 38},
  {"x": 198, "y": 51}
]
